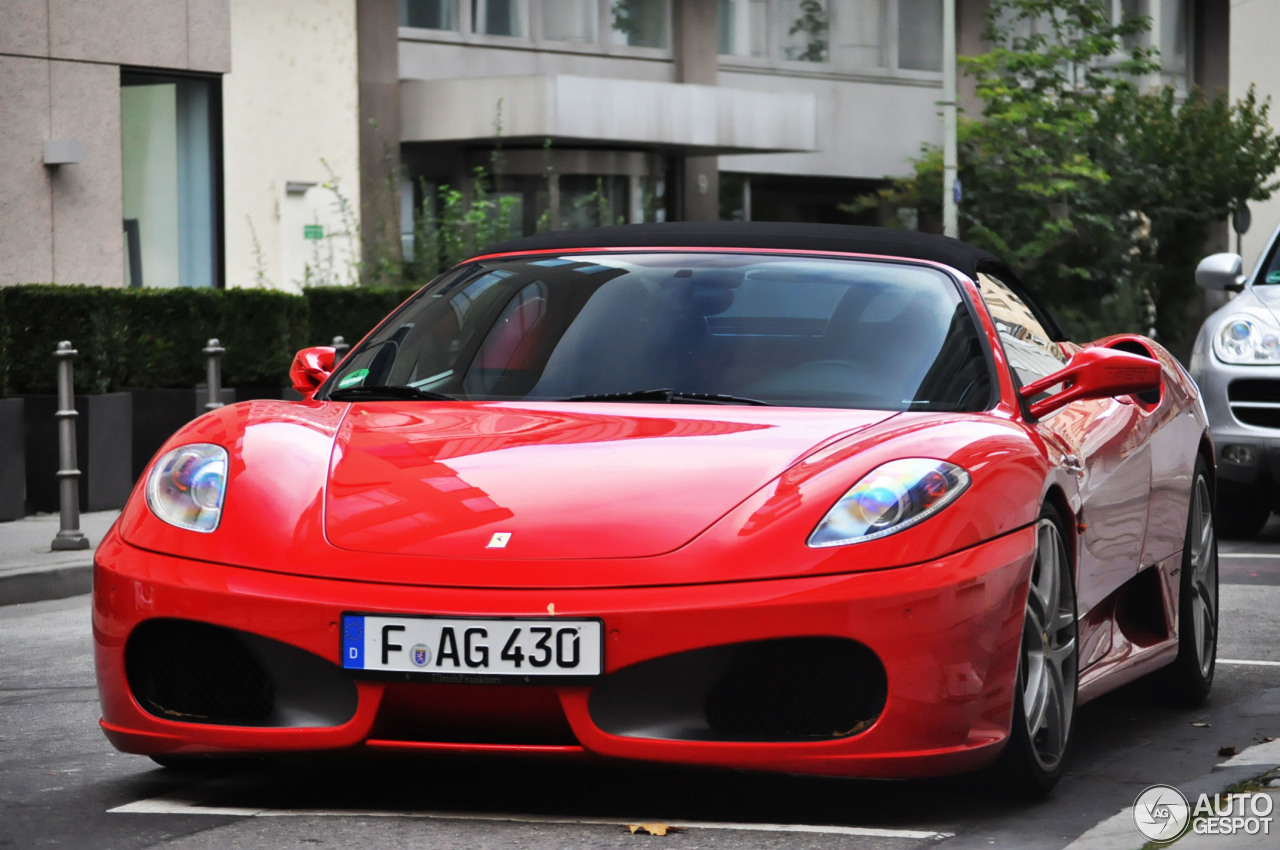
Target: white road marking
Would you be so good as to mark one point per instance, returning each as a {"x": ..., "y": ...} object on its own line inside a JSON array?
[
  {"x": 1245, "y": 663},
  {"x": 1248, "y": 555},
  {"x": 182, "y": 803}
]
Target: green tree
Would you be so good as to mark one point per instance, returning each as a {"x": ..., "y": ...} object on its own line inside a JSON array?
[{"x": 1099, "y": 192}]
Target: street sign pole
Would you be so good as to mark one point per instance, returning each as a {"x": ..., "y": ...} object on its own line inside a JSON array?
[{"x": 950, "y": 167}]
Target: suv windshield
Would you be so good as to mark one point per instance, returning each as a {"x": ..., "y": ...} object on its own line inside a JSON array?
[{"x": 717, "y": 328}]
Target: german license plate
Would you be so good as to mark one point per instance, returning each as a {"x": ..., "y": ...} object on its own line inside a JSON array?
[{"x": 457, "y": 646}]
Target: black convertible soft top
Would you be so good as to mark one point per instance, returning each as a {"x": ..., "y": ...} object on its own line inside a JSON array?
[{"x": 961, "y": 256}]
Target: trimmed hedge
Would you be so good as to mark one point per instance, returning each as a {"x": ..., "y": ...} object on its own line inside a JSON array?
[
  {"x": 167, "y": 328},
  {"x": 153, "y": 337},
  {"x": 351, "y": 312},
  {"x": 39, "y": 316}
]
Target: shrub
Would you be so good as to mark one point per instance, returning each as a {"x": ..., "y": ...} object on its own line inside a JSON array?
[
  {"x": 261, "y": 332},
  {"x": 154, "y": 337},
  {"x": 165, "y": 329},
  {"x": 350, "y": 312},
  {"x": 41, "y": 315}
]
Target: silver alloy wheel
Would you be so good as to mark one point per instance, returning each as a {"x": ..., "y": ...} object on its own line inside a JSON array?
[
  {"x": 1204, "y": 577},
  {"x": 1049, "y": 649}
]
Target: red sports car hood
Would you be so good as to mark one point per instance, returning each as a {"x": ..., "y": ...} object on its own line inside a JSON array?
[{"x": 548, "y": 481}]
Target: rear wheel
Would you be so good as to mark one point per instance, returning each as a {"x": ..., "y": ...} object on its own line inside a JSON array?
[
  {"x": 1045, "y": 695},
  {"x": 1190, "y": 677},
  {"x": 1241, "y": 511}
]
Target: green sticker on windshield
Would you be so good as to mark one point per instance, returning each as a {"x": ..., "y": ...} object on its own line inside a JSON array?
[
  {"x": 354, "y": 378},
  {"x": 1273, "y": 277}
]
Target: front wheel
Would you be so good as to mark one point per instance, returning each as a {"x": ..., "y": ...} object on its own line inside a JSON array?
[
  {"x": 1190, "y": 677},
  {"x": 1048, "y": 667}
]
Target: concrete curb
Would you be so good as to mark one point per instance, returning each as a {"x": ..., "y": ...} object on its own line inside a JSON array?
[
  {"x": 31, "y": 572},
  {"x": 41, "y": 585}
]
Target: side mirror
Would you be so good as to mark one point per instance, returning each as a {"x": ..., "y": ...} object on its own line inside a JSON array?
[
  {"x": 1095, "y": 373},
  {"x": 1221, "y": 272},
  {"x": 311, "y": 367}
]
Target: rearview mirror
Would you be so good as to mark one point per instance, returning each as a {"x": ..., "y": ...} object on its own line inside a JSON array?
[
  {"x": 311, "y": 368},
  {"x": 1095, "y": 373},
  {"x": 1221, "y": 272}
]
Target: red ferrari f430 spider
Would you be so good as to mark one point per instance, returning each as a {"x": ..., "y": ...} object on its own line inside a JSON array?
[{"x": 813, "y": 499}]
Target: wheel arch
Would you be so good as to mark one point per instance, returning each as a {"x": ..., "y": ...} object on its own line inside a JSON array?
[
  {"x": 1070, "y": 534},
  {"x": 1205, "y": 451}
]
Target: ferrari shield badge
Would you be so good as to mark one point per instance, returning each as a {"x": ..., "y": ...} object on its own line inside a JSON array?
[{"x": 499, "y": 540}]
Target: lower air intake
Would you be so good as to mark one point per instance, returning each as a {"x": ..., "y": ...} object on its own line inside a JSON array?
[{"x": 791, "y": 689}]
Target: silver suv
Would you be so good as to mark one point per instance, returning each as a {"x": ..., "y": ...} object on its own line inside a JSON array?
[{"x": 1236, "y": 362}]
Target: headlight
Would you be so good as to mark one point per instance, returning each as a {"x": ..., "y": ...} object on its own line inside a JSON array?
[
  {"x": 1245, "y": 339},
  {"x": 890, "y": 498},
  {"x": 186, "y": 486}
]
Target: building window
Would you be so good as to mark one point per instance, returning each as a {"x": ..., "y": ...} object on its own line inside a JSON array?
[
  {"x": 429, "y": 14},
  {"x": 640, "y": 23},
  {"x": 838, "y": 35},
  {"x": 570, "y": 20},
  {"x": 743, "y": 26},
  {"x": 858, "y": 36},
  {"x": 588, "y": 25},
  {"x": 804, "y": 30},
  {"x": 500, "y": 17},
  {"x": 170, "y": 131},
  {"x": 920, "y": 35}
]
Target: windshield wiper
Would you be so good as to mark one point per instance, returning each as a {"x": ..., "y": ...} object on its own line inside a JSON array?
[
  {"x": 386, "y": 393},
  {"x": 668, "y": 396}
]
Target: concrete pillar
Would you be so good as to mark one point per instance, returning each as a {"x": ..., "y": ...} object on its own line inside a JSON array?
[
  {"x": 697, "y": 56},
  {"x": 377, "y": 50}
]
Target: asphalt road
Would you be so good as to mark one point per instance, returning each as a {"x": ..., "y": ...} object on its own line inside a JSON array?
[{"x": 61, "y": 784}]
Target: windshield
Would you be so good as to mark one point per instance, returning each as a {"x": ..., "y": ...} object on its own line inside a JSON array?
[{"x": 681, "y": 328}]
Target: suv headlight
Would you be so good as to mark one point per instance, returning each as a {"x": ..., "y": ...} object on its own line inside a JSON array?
[
  {"x": 186, "y": 486},
  {"x": 1247, "y": 340},
  {"x": 890, "y": 498}
]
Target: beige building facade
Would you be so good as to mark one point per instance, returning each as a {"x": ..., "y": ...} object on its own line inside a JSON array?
[
  {"x": 1253, "y": 63},
  {"x": 246, "y": 143},
  {"x": 291, "y": 144},
  {"x": 85, "y": 89}
]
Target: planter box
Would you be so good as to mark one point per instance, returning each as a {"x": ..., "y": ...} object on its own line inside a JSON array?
[
  {"x": 158, "y": 413},
  {"x": 104, "y": 451},
  {"x": 13, "y": 467}
]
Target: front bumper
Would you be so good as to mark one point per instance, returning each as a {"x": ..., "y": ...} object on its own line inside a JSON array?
[
  {"x": 946, "y": 632},
  {"x": 1248, "y": 453}
]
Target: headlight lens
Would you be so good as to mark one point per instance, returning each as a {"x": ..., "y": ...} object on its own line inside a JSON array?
[
  {"x": 186, "y": 486},
  {"x": 890, "y": 498},
  {"x": 1245, "y": 340}
]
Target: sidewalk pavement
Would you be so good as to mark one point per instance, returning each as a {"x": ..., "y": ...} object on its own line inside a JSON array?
[
  {"x": 1119, "y": 832},
  {"x": 30, "y": 571}
]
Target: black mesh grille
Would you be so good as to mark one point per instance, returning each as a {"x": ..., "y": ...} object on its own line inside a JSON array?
[
  {"x": 798, "y": 688},
  {"x": 1258, "y": 417},
  {"x": 785, "y": 689},
  {"x": 1254, "y": 390},
  {"x": 194, "y": 672}
]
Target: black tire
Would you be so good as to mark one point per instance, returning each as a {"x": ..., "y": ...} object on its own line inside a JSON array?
[
  {"x": 1241, "y": 512},
  {"x": 1189, "y": 678},
  {"x": 1048, "y": 669}
]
